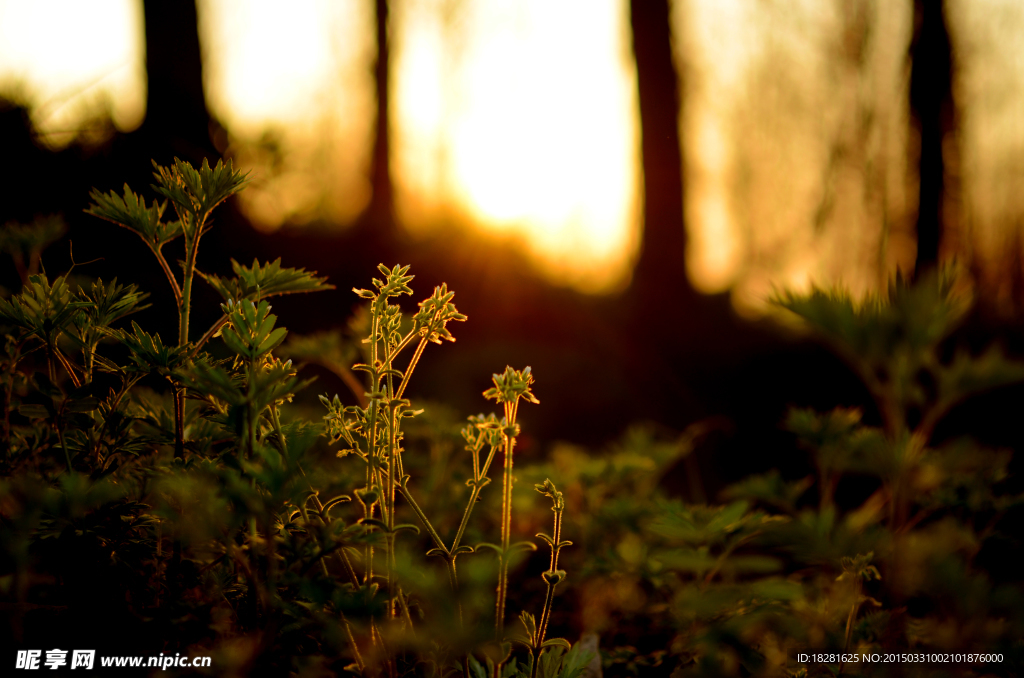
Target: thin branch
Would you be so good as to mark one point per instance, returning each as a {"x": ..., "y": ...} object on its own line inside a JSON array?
[
  {"x": 412, "y": 366},
  {"x": 155, "y": 249},
  {"x": 175, "y": 288},
  {"x": 438, "y": 542},
  {"x": 214, "y": 328},
  {"x": 66, "y": 364},
  {"x": 400, "y": 346},
  {"x": 473, "y": 496}
]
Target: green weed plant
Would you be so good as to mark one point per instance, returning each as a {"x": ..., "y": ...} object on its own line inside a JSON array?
[
  {"x": 223, "y": 523},
  {"x": 886, "y": 548},
  {"x": 178, "y": 496}
]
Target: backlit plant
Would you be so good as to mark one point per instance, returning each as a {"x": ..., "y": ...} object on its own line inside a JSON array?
[
  {"x": 890, "y": 544},
  {"x": 178, "y": 496},
  {"x": 173, "y": 477}
]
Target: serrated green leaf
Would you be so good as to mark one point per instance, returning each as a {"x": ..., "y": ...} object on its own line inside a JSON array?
[
  {"x": 261, "y": 281},
  {"x": 43, "y": 310},
  {"x": 250, "y": 332},
  {"x": 148, "y": 352},
  {"x": 130, "y": 211},
  {"x": 198, "y": 192}
]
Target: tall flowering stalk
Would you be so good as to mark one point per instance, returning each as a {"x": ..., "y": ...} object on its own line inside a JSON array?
[
  {"x": 534, "y": 638},
  {"x": 509, "y": 388},
  {"x": 373, "y": 433},
  {"x": 553, "y": 576}
]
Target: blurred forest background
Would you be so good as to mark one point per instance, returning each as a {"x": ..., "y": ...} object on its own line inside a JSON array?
[{"x": 613, "y": 188}]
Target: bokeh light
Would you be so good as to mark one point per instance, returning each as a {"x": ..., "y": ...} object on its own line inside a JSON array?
[
  {"x": 292, "y": 84},
  {"x": 523, "y": 117},
  {"x": 74, "y": 62}
]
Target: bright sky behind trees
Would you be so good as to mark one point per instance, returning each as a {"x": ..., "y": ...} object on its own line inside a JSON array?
[{"x": 521, "y": 118}]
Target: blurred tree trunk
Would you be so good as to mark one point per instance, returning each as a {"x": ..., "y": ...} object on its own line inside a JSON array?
[
  {"x": 177, "y": 122},
  {"x": 380, "y": 212},
  {"x": 661, "y": 267},
  {"x": 932, "y": 116},
  {"x": 666, "y": 322}
]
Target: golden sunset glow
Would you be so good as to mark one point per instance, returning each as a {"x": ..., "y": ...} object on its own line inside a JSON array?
[
  {"x": 521, "y": 118},
  {"x": 292, "y": 83},
  {"x": 796, "y": 145},
  {"x": 518, "y": 117},
  {"x": 71, "y": 61},
  {"x": 715, "y": 37},
  {"x": 992, "y": 139}
]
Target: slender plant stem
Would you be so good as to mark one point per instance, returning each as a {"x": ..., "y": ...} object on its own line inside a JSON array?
[
  {"x": 728, "y": 551},
  {"x": 51, "y": 368},
  {"x": 389, "y": 491},
  {"x": 399, "y": 347},
  {"x": 412, "y": 366},
  {"x": 68, "y": 367},
  {"x": 415, "y": 357},
  {"x": 185, "y": 305},
  {"x": 506, "y": 520},
  {"x": 405, "y": 609},
  {"x": 473, "y": 496},
  {"x": 89, "y": 361},
  {"x": 453, "y": 578},
  {"x": 352, "y": 642},
  {"x": 156, "y": 249},
  {"x": 370, "y": 478},
  {"x": 214, "y": 328},
  {"x": 390, "y": 495},
  {"x": 545, "y": 614},
  {"x": 434, "y": 536},
  {"x": 179, "y": 423},
  {"x": 371, "y": 455},
  {"x": 184, "y": 299}
]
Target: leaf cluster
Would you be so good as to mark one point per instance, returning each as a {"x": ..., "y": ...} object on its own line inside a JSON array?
[
  {"x": 185, "y": 486},
  {"x": 257, "y": 282},
  {"x": 784, "y": 564}
]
